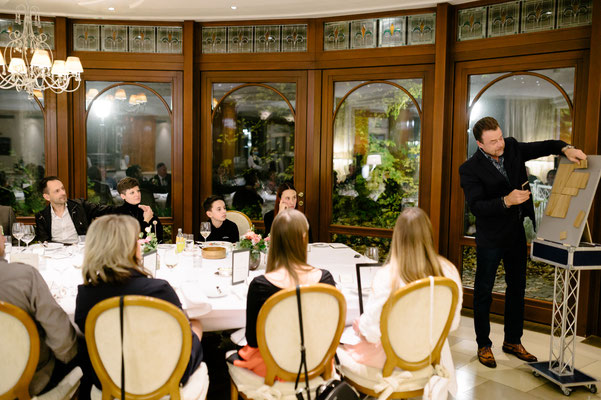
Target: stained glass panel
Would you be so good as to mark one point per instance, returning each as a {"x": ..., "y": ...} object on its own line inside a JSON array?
[
  {"x": 240, "y": 39},
  {"x": 142, "y": 39},
  {"x": 472, "y": 23},
  {"x": 503, "y": 19},
  {"x": 422, "y": 29},
  {"x": 85, "y": 37},
  {"x": 392, "y": 32},
  {"x": 294, "y": 38},
  {"x": 336, "y": 36},
  {"x": 214, "y": 40},
  {"x": 9, "y": 25},
  {"x": 267, "y": 38},
  {"x": 538, "y": 15},
  {"x": 574, "y": 13},
  {"x": 363, "y": 33},
  {"x": 169, "y": 39},
  {"x": 114, "y": 38}
]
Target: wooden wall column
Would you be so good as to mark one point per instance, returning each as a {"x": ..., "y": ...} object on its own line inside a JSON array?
[
  {"x": 189, "y": 180},
  {"x": 442, "y": 98}
]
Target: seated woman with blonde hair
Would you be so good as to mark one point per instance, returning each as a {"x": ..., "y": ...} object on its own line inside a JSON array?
[
  {"x": 412, "y": 257},
  {"x": 112, "y": 266},
  {"x": 286, "y": 267}
]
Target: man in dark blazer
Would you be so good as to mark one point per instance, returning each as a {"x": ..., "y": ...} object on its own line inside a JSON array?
[
  {"x": 492, "y": 181},
  {"x": 63, "y": 220}
]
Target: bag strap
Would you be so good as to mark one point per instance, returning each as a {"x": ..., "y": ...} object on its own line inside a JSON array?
[
  {"x": 431, "y": 319},
  {"x": 303, "y": 362},
  {"x": 122, "y": 357}
]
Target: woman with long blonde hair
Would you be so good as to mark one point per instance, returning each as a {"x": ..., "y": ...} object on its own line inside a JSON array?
[
  {"x": 412, "y": 257},
  {"x": 112, "y": 266},
  {"x": 286, "y": 267}
]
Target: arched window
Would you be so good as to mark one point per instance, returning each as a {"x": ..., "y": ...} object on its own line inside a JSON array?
[
  {"x": 22, "y": 155},
  {"x": 253, "y": 131},
  {"x": 129, "y": 133}
]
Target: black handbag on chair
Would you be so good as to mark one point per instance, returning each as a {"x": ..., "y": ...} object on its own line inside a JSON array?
[{"x": 334, "y": 389}]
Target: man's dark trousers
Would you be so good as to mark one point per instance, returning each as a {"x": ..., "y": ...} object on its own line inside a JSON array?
[{"x": 514, "y": 261}]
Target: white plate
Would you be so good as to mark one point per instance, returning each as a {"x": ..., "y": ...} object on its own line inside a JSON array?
[
  {"x": 214, "y": 292},
  {"x": 53, "y": 246},
  {"x": 320, "y": 244},
  {"x": 219, "y": 244}
]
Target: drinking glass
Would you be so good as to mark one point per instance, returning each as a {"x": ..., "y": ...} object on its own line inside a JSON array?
[
  {"x": 189, "y": 241},
  {"x": 205, "y": 229},
  {"x": 8, "y": 245},
  {"x": 28, "y": 234},
  {"x": 17, "y": 231},
  {"x": 171, "y": 258},
  {"x": 81, "y": 242},
  {"x": 373, "y": 253}
]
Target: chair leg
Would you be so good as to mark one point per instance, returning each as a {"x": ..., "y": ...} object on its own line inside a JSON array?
[{"x": 233, "y": 391}]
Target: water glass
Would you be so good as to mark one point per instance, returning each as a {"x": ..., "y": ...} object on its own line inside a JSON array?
[
  {"x": 189, "y": 241},
  {"x": 8, "y": 245},
  {"x": 373, "y": 253},
  {"x": 171, "y": 258},
  {"x": 81, "y": 242}
]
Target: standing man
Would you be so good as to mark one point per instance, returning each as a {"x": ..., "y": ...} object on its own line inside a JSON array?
[
  {"x": 492, "y": 182},
  {"x": 63, "y": 220}
]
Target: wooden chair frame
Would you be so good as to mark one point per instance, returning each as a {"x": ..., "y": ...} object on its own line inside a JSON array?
[
  {"x": 109, "y": 389},
  {"x": 392, "y": 359},
  {"x": 21, "y": 389},
  {"x": 273, "y": 369},
  {"x": 250, "y": 224}
]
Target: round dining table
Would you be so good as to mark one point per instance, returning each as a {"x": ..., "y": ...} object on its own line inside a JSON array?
[{"x": 204, "y": 286}]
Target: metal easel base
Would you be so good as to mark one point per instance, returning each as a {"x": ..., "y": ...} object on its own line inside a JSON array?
[{"x": 565, "y": 382}]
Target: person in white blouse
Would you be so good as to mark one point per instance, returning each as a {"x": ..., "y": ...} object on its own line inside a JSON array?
[{"x": 412, "y": 257}]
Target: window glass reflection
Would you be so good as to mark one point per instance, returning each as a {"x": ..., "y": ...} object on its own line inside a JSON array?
[
  {"x": 129, "y": 132},
  {"x": 528, "y": 108},
  {"x": 376, "y": 154},
  {"x": 253, "y": 144},
  {"x": 22, "y": 160}
]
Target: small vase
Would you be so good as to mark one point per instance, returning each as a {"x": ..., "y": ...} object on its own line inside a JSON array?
[{"x": 255, "y": 259}]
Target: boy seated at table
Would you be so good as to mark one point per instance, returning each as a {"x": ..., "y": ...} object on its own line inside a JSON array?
[
  {"x": 129, "y": 190},
  {"x": 222, "y": 229}
]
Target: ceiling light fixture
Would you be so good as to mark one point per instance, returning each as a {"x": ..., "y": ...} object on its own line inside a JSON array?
[
  {"x": 111, "y": 8},
  {"x": 30, "y": 65},
  {"x": 234, "y": 7}
]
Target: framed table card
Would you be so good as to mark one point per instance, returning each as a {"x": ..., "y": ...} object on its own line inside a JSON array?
[
  {"x": 365, "y": 275},
  {"x": 240, "y": 265},
  {"x": 150, "y": 262}
]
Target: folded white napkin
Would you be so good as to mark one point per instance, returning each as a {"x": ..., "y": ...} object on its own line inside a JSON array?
[{"x": 195, "y": 298}]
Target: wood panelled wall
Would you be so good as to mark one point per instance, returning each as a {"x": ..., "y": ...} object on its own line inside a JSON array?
[{"x": 441, "y": 65}]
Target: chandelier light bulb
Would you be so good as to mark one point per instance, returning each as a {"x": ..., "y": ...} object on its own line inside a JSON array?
[
  {"x": 41, "y": 59},
  {"x": 120, "y": 95},
  {"x": 58, "y": 68},
  {"x": 73, "y": 65},
  {"x": 17, "y": 66}
]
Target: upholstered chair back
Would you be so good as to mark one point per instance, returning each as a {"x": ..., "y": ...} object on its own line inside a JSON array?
[
  {"x": 19, "y": 352},
  {"x": 156, "y": 346},
  {"x": 415, "y": 321},
  {"x": 278, "y": 333},
  {"x": 240, "y": 219}
]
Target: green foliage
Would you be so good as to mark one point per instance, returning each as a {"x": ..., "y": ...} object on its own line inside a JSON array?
[
  {"x": 361, "y": 243},
  {"x": 25, "y": 180}
]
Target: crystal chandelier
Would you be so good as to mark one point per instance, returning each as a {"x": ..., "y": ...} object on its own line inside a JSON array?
[{"x": 30, "y": 67}]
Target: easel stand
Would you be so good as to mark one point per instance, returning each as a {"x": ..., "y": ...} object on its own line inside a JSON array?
[{"x": 568, "y": 262}]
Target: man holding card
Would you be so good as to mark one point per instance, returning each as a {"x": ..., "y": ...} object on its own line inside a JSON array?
[{"x": 495, "y": 185}]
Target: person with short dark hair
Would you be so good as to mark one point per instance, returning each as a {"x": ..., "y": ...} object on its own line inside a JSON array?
[
  {"x": 63, "y": 220},
  {"x": 222, "y": 229},
  {"x": 492, "y": 180},
  {"x": 162, "y": 180},
  {"x": 129, "y": 190}
]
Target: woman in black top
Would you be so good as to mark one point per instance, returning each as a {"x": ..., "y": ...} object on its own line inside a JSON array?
[
  {"x": 285, "y": 198},
  {"x": 111, "y": 267},
  {"x": 129, "y": 190},
  {"x": 286, "y": 267}
]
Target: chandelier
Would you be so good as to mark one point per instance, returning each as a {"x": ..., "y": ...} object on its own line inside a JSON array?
[{"x": 31, "y": 67}]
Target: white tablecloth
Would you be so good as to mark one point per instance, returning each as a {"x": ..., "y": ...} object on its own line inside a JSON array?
[{"x": 195, "y": 281}]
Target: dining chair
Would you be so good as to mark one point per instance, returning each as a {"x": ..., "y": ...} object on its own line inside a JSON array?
[
  {"x": 7, "y": 217},
  {"x": 405, "y": 328},
  {"x": 156, "y": 349},
  {"x": 241, "y": 220},
  {"x": 278, "y": 337},
  {"x": 20, "y": 351}
]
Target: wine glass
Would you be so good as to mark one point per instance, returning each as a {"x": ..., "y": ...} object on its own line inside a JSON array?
[
  {"x": 17, "y": 231},
  {"x": 373, "y": 253},
  {"x": 28, "y": 234},
  {"x": 205, "y": 230}
]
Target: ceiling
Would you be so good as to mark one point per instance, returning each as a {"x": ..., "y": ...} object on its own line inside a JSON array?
[{"x": 220, "y": 10}]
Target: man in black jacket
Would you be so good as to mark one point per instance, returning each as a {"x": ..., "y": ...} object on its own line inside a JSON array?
[
  {"x": 493, "y": 183},
  {"x": 63, "y": 220}
]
